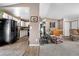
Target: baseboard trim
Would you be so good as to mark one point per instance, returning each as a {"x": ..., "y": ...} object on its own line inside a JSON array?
[
  {"x": 34, "y": 44},
  {"x": 23, "y": 36}
]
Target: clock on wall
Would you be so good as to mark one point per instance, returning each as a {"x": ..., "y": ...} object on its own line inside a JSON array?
[{"x": 34, "y": 19}]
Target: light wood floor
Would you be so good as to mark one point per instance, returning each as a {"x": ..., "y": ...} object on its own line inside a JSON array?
[
  {"x": 19, "y": 48},
  {"x": 32, "y": 51}
]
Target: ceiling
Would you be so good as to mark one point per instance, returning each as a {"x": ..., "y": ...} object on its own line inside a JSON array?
[
  {"x": 50, "y": 10},
  {"x": 6, "y": 4},
  {"x": 22, "y": 12},
  {"x": 59, "y": 10}
]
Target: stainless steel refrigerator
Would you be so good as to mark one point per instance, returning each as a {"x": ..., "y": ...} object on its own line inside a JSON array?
[{"x": 8, "y": 31}]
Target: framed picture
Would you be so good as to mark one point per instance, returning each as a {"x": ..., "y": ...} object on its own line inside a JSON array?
[
  {"x": 34, "y": 19},
  {"x": 52, "y": 24}
]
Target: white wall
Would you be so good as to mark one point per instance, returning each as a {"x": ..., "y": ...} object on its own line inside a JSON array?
[
  {"x": 66, "y": 27},
  {"x": 74, "y": 25},
  {"x": 23, "y": 33},
  {"x": 43, "y": 9},
  {"x": 34, "y": 27},
  {"x": 34, "y": 34}
]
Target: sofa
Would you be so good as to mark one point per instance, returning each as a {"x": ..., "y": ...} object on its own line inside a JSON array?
[{"x": 74, "y": 34}]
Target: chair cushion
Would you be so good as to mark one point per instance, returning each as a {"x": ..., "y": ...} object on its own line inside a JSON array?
[
  {"x": 56, "y": 32},
  {"x": 74, "y": 31}
]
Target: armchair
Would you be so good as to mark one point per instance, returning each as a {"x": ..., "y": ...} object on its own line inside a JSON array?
[{"x": 74, "y": 34}]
